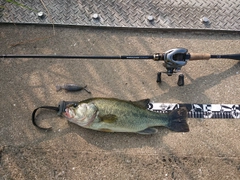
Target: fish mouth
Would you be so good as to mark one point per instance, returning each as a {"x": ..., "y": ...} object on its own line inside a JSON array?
[
  {"x": 70, "y": 117},
  {"x": 67, "y": 114}
]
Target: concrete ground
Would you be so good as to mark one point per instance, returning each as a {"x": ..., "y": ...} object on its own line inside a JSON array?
[{"x": 211, "y": 150}]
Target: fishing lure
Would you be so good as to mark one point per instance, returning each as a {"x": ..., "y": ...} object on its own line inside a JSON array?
[{"x": 71, "y": 87}]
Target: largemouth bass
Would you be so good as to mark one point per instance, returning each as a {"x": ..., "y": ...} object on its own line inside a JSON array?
[{"x": 115, "y": 115}]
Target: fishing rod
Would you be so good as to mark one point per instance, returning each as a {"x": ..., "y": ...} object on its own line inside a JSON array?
[{"x": 174, "y": 59}]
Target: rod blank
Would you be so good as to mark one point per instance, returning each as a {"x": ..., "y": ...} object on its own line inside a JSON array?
[
  {"x": 77, "y": 57},
  {"x": 193, "y": 56},
  {"x": 227, "y": 56}
]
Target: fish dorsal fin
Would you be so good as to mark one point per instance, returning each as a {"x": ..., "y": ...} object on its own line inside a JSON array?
[
  {"x": 109, "y": 118},
  {"x": 142, "y": 103}
]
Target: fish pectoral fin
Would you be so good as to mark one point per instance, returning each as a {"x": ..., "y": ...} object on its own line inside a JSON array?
[
  {"x": 109, "y": 118},
  {"x": 142, "y": 103},
  {"x": 148, "y": 131}
]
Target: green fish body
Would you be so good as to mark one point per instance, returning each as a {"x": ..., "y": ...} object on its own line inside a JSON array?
[{"x": 115, "y": 115}]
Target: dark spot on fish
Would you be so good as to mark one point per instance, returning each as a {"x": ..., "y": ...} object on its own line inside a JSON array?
[{"x": 109, "y": 118}]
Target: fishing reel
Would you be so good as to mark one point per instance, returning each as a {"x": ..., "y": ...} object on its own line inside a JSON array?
[{"x": 174, "y": 59}]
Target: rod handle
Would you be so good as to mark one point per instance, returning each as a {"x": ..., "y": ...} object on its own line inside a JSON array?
[{"x": 200, "y": 56}]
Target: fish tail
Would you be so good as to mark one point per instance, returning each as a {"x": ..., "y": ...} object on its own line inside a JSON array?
[
  {"x": 58, "y": 87},
  {"x": 178, "y": 120}
]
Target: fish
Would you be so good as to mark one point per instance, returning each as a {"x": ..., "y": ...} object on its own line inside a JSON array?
[
  {"x": 71, "y": 87},
  {"x": 116, "y": 115}
]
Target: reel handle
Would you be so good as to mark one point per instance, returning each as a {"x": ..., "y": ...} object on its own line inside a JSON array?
[{"x": 199, "y": 56}]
